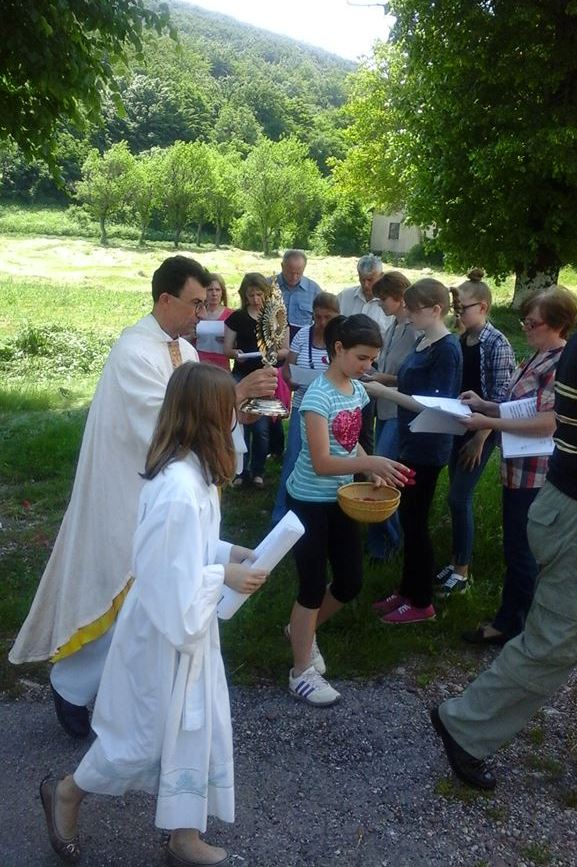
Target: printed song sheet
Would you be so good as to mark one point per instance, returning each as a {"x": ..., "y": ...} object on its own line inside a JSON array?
[
  {"x": 268, "y": 555},
  {"x": 441, "y": 415},
  {"x": 521, "y": 445}
]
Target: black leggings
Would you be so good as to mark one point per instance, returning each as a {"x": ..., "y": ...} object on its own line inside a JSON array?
[
  {"x": 418, "y": 554},
  {"x": 329, "y": 535}
]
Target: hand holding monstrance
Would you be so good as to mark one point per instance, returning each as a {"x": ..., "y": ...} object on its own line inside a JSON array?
[{"x": 271, "y": 330}]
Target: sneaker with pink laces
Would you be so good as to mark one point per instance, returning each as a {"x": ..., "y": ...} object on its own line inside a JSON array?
[
  {"x": 389, "y": 603},
  {"x": 406, "y": 613}
]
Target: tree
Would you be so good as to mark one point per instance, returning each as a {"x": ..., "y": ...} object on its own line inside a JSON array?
[
  {"x": 56, "y": 60},
  {"x": 469, "y": 119},
  {"x": 143, "y": 188},
  {"x": 223, "y": 202},
  {"x": 185, "y": 185},
  {"x": 105, "y": 184},
  {"x": 281, "y": 190}
]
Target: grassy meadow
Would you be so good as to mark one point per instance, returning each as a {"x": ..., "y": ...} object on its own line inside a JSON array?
[{"x": 64, "y": 301}]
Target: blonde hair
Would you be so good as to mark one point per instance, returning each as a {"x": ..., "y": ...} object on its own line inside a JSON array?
[
  {"x": 252, "y": 280},
  {"x": 196, "y": 416},
  {"x": 475, "y": 288}
]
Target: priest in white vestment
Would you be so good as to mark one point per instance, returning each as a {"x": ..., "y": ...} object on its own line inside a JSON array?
[{"x": 87, "y": 576}]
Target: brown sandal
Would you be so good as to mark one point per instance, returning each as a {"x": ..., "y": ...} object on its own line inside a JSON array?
[
  {"x": 67, "y": 850},
  {"x": 174, "y": 860}
]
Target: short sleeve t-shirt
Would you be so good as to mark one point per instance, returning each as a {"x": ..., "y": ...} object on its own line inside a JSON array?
[
  {"x": 307, "y": 355},
  {"x": 343, "y": 413}
]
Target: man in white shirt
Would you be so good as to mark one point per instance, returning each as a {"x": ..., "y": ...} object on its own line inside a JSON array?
[{"x": 360, "y": 299}]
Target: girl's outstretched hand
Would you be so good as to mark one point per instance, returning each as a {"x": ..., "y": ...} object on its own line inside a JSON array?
[
  {"x": 390, "y": 472},
  {"x": 238, "y": 554},
  {"x": 243, "y": 579}
]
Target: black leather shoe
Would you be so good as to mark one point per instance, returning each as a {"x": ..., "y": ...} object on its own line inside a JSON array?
[
  {"x": 73, "y": 718},
  {"x": 470, "y": 770},
  {"x": 478, "y": 637}
]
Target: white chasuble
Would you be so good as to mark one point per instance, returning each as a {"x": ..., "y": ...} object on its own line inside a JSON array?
[{"x": 90, "y": 560}]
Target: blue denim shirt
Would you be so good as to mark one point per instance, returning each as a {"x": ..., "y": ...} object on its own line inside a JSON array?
[{"x": 298, "y": 301}]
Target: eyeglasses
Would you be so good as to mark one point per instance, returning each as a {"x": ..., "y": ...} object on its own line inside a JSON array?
[
  {"x": 197, "y": 304},
  {"x": 462, "y": 308},
  {"x": 530, "y": 324}
]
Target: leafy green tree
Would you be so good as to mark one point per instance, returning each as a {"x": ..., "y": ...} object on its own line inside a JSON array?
[
  {"x": 143, "y": 188},
  {"x": 223, "y": 201},
  {"x": 236, "y": 124},
  {"x": 105, "y": 184},
  {"x": 281, "y": 188},
  {"x": 469, "y": 119},
  {"x": 186, "y": 186},
  {"x": 56, "y": 61}
]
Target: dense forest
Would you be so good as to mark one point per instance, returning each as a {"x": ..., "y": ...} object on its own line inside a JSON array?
[{"x": 229, "y": 130}]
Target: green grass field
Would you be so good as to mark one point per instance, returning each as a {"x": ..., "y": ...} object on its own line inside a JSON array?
[{"x": 64, "y": 302}]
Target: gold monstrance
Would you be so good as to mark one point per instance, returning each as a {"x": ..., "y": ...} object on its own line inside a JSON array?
[{"x": 270, "y": 333}]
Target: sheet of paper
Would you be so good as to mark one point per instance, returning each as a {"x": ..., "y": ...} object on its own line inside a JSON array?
[
  {"x": 303, "y": 375},
  {"x": 210, "y": 335},
  {"x": 436, "y": 421},
  {"x": 451, "y": 405},
  {"x": 268, "y": 555},
  {"x": 521, "y": 445}
]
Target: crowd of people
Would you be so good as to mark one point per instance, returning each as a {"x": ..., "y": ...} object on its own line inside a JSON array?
[{"x": 126, "y": 608}]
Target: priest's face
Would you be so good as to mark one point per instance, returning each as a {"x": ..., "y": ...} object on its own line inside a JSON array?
[{"x": 183, "y": 311}]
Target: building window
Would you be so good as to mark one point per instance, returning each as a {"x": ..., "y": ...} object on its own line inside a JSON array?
[{"x": 394, "y": 229}]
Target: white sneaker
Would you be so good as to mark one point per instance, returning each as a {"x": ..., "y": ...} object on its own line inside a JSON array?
[
  {"x": 453, "y": 585},
  {"x": 311, "y": 687},
  {"x": 316, "y": 656},
  {"x": 442, "y": 576}
]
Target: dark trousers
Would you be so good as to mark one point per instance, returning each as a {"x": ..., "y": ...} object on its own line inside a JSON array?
[
  {"x": 331, "y": 536},
  {"x": 418, "y": 554},
  {"x": 367, "y": 434},
  {"x": 521, "y": 568}
]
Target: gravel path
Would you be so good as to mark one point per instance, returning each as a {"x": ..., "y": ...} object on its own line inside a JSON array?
[{"x": 364, "y": 784}]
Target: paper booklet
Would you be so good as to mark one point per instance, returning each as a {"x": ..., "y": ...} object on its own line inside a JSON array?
[
  {"x": 441, "y": 415},
  {"x": 210, "y": 335},
  {"x": 268, "y": 555},
  {"x": 518, "y": 445},
  {"x": 303, "y": 375}
]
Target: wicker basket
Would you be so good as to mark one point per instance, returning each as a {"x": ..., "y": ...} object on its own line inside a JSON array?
[{"x": 363, "y": 502}]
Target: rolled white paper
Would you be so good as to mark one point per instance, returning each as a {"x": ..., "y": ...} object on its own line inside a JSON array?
[{"x": 268, "y": 553}]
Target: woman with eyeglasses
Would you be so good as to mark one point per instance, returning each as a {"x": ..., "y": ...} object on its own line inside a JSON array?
[
  {"x": 547, "y": 319},
  {"x": 488, "y": 364}
]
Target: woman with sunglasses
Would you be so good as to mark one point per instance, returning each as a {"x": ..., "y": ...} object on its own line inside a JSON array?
[
  {"x": 547, "y": 319},
  {"x": 488, "y": 364}
]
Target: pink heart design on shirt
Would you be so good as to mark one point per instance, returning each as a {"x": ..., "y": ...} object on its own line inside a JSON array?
[{"x": 347, "y": 427}]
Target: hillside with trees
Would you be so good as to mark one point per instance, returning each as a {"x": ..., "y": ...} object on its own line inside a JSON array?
[{"x": 227, "y": 131}]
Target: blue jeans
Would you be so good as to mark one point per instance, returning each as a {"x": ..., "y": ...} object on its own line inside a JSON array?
[
  {"x": 521, "y": 566},
  {"x": 292, "y": 448},
  {"x": 256, "y": 439},
  {"x": 384, "y": 539},
  {"x": 462, "y": 484}
]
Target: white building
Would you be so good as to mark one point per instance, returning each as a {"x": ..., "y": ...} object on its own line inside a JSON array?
[{"x": 390, "y": 234}]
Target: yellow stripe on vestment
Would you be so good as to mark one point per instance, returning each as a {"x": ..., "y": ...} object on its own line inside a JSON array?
[{"x": 93, "y": 630}]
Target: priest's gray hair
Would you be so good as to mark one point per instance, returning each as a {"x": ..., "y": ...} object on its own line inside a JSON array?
[{"x": 369, "y": 264}]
